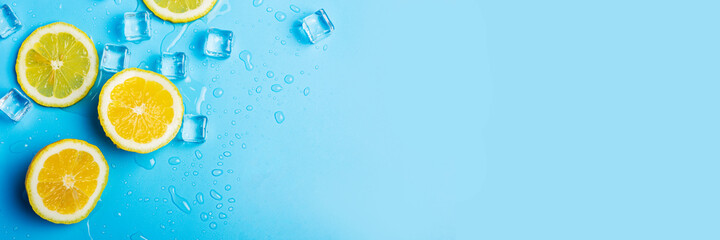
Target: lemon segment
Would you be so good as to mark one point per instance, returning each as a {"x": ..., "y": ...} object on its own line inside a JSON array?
[
  {"x": 65, "y": 180},
  {"x": 57, "y": 65},
  {"x": 140, "y": 111},
  {"x": 180, "y": 11}
]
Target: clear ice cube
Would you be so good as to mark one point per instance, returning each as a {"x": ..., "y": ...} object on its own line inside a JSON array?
[
  {"x": 172, "y": 65},
  {"x": 115, "y": 58},
  {"x": 9, "y": 22},
  {"x": 218, "y": 43},
  {"x": 194, "y": 128},
  {"x": 317, "y": 26},
  {"x": 14, "y": 104},
  {"x": 136, "y": 26}
]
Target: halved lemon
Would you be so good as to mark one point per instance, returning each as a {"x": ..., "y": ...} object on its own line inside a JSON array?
[
  {"x": 65, "y": 180},
  {"x": 140, "y": 111},
  {"x": 57, "y": 65},
  {"x": 180, "y": 11}
]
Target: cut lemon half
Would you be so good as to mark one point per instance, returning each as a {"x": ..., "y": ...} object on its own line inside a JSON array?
[
  {"x": 65, "y": 180},
  {"x": 140, "y": 111},
  {"x": 180, "y": 11},
  {"x": 57, "y": 65}
]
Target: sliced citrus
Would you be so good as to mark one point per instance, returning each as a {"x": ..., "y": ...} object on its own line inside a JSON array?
[
  {"x": 140, "y": 111},
  {"x": 180, "y": 11},
  {"x": 65, "y": 180},
  {"x": 57, "y": 65}
]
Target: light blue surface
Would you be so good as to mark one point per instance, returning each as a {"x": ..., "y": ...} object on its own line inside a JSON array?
[{"x": 414, "y": 120}]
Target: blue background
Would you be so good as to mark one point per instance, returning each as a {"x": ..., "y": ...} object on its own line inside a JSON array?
[{"x": 463, "y": 119}]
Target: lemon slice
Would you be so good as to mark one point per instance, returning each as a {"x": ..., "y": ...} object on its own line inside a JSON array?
[
  {"x": 180, "y": 11},
  {"x": 140, "y": 111},
  {"x": 57, "y": 65},
  {"x": 65, "y": 180}
]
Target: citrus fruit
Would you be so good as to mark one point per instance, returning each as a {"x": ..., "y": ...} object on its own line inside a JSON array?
[
  {"x": 180, "y": 11},
  {"x": 65, "y": 180},
  {"x": 57, "y": 65},
  {"x": 140, "y": 111}
]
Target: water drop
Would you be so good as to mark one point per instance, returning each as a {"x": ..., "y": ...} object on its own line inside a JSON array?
[
  {"x": 279, "y": 117},
  {"x": 217, "y": 172},
  {"x": 289, "y": 79},
  {"x": 227, "y": 154},
  {"x": 145, "y": 162},
  {"x": 276, "y": 88},
  {"x": 219, "y": 206},
  {"x": 200, "y": 198},
  {"x": 215, "y": 195},
  {"x": 204, "y": 216},
  {"x": 218, "y": 92},
  {"x": 258, "y": 89},
  {"x": 227, "y": 187},
  {"x": 325, "y": 47},
  {"x": 249, "y": 107},
  {"x": 231, "y": 200},
  {"x": 213, "y": 225},
  {"x": 306, "y": 91},
  {"x": 280, "y": 16},
  {"x": 269, "y": 9},
  {"x": 222, "y": 216},
  {"x": 270, "y": 74},
  {"x": 257, "y": 3},
  {"x": 179, "y": 201},
  {"x": 198, "y": 154},
  {"x": 174, "y": 161},
  {"x": 237, "y": 135},
  {"x": 294, "y": 8},
  {"x": 246, "y": 57}
]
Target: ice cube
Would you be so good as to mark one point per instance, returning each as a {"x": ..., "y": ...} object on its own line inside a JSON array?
[
  {"x": 172, "y": 65},
  {"x": 14, "y": 104},
  {"x": 218, "y": 43},
  {"x": 136, "y": 26},
  {"x": 194, "y": 128},
  {"x": 317, "y": 26},
  {"x": 115, "y": 58},
  {"x": 9, "y": 22}
]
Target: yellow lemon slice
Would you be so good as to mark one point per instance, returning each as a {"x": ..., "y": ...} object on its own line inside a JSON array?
[
  {"x": 140, "y": 111},
  {"x": 180, "y": 11},
  {"x": 57, "y": 65},
  {"x": 65, "y": 180}
]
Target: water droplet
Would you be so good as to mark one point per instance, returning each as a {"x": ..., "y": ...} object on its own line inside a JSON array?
[
  {"x": 213, "y": 225},
  {"x": 204, "y": 216},
  {"x": 325, "y": 47},
  {"x": 270, "y": 74},
  {"x": 222, "y": 216},
  {"x": 199, "y": 197},
  {"x": 217, "y": 172},
  {"x": 294, "y": 8},
  {"x": 289, "y": 79},
  {"x": 237, "y": 135},
  {"x": 219, "y": 206},
  {"x": 279, "y": 117},
  {"x": 269, "y": 9},
  {"x": 195, "y": 173},
  {"x": 257, "y": 3},
  {"x": 306, "y": 91},
  {"x": 227, "y": 154},
  {"x": 317, "y": 67},
  {"x": 145, "y": 162},
  {"x": 218, "y": 92},
  {"x": 136, "y": 236},
  {"x": 231, "y": 200},
  {"x": 215, "y": 195},
  {"x": 258, "y": 89},
  {"x": 227, "y": 187},
  {"x": 198, "y": 154},
  {"x": 246, "y": 57},
  {"x": 179, "y": 201},
  {"x": 249, "y": 107},
  {"x": 280, "y": 16},
  {"x": 174, "y": 161},
  {"x": 276, "y": 88},
  {"x": 244, "y": 146}
]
